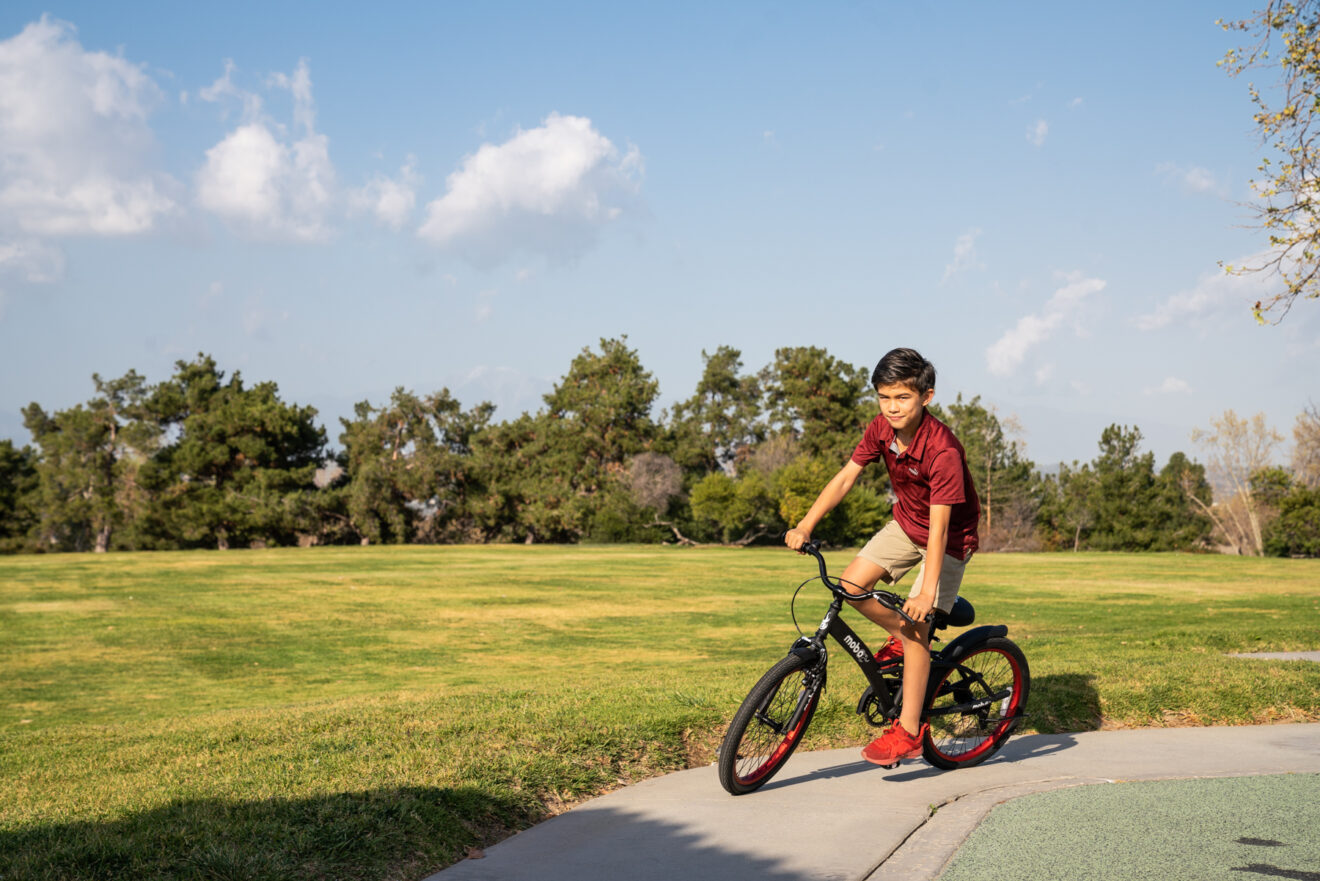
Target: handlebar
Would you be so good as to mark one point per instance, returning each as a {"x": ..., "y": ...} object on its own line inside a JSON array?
[{"x": 886, "y": 598}]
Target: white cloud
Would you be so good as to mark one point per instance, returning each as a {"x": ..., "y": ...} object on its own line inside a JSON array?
[
  {"x": 1172, "y": 385},
  {"x": 1010, "y": 350},
  {"x": 73, "y": 138},
  {"x": 224, "y": 87},
  {"x": 547, "y": 190},
  {"x": 261, "y": 182},
  {"x": 1193, "y": 180},
  {"x": 1075, "y": 102},
  {"x": 390, "y": 200},
  {"x": 1037, "y": 131},
  {"x": 258, "y": 320},
  {"x": 28, "y": 262},
  {"x": 1214, "y": 293},
  {"x": 964, "y": 254},
  {"x": 31, "y": 261},
  {"x": 1199, "y": 180},
  {"x": 1180, "y": 306},
  {"x": 213, "y": 293}
]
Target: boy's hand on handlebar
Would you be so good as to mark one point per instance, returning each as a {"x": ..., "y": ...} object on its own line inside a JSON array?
[
  {"x": 796, "y": 538},
  {"x": 919, "y": 608}
]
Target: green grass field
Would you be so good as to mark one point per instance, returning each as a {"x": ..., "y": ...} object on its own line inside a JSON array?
[{"x": 373, "y": 712}]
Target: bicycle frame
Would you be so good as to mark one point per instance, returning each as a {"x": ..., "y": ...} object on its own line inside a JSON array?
[
  {"x": 941, "y": 661},
  {"x": 834, "y": 626}
]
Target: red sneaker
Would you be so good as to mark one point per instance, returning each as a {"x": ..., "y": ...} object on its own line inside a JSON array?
[
  {"x": 894, "y": 744},
  {"x": 891, "y": 651}
]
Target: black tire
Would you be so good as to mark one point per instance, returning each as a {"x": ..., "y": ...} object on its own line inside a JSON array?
[
  {"x": 990, "y": 684},
  {"x": 769, "y": 725}
]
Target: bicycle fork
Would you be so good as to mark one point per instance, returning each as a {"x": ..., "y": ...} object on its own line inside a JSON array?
[{"x": 813, "y": 682}]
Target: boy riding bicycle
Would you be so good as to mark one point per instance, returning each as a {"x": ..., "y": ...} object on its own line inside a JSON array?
[{"x": 935, "y": 518}]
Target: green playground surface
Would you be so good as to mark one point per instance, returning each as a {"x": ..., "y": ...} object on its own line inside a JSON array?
[{"x": 1207, "y": 829}]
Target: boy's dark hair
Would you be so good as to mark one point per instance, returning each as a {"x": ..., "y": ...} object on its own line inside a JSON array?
[{"x": 904, "y": 367}]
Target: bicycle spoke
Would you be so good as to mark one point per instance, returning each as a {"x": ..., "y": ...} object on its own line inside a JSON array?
[
  {"x": 760, "y": 743},
  {"x": 771, "y": 730},
  {"x": 974, "y": 709}
]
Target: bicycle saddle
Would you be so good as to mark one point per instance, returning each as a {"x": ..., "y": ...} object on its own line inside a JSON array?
[{"x": 960, "y": 615}]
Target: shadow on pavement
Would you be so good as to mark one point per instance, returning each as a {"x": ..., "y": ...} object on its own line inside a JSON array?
[
  {"x": 1069, "y": 695},
  {"x": 405, "y": 833},
  {"x": 1019, "y": 748},
  {"x": 1033, "y": 746},
  {"x": 846, "y": 769},
  {"x": 597, "y": 841}
]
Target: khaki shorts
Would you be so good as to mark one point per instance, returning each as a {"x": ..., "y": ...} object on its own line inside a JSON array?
[{"x": 892, "y": 549}]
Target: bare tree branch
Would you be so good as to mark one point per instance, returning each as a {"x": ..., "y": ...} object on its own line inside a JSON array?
[{"x": 1287, "y": 41}]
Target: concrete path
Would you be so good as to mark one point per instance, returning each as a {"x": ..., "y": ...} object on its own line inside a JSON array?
[
  {"x": 1279, "y": 656},
  {"x": 829, "y": 815}
]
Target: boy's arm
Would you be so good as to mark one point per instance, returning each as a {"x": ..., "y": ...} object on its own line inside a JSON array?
[
  {"x": 830, "y": 496},
  {"x": 919, "y": 606}
]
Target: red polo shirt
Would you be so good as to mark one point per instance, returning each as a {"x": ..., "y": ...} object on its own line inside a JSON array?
[{"x": 931, "y": 471}]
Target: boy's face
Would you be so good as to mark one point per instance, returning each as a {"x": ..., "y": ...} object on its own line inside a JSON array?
[{"x": 903, "y": 405}]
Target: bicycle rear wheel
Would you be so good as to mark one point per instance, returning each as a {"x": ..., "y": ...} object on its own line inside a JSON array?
[
  {"x": 769, "y": 725},
  {"x": 976, "y": 705}
]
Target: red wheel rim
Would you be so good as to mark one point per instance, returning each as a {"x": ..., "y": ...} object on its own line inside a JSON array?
[
  {"x": 1009, "y": 713},
  {"x": 772, "y": 761}
]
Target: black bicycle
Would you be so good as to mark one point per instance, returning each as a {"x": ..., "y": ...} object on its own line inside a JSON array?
[{"x": 975, "y": 697}]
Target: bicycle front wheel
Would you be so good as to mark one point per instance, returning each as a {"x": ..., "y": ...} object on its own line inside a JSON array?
[
  {"x": 976, "y": 705},
  {"x": 769, "y": 725}
]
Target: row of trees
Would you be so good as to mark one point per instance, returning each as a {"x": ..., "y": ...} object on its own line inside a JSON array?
[{"x": 202, "y": 459}]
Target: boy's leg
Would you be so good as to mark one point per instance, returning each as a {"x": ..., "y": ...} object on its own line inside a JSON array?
[
  {"x": 916, "y": 673},
  {"x": 916, "y": 658},
  {"x": 893, "y": 547},
  {"x": 916, "y": 650},
  {"x": 865, "y": 575},
  {"x": 887, "y": 557},
  {"x": 861, "y": 576}
]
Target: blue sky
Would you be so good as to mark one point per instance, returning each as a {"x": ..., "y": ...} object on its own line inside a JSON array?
[{"x": 343, "y": 201}]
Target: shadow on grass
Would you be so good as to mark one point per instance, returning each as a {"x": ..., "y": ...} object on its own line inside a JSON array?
[
  {"x": 1060, "y": 702},
  {"x": 380, "y": 834}
]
